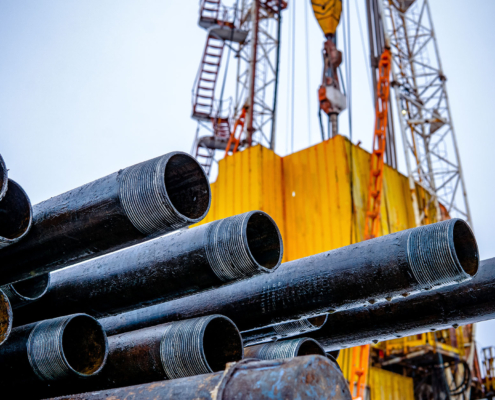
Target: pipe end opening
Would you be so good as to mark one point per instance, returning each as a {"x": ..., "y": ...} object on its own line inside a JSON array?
[
  {"x": 84, "y": 345},
  {"x": 33, "y": 288},
  {"x": 15, "y": 214},
  {"x": 310, "y": 347},
  {"x": 318, "y": 321},
  {"x": 466, "y": 248},
  {"x": 3, "y": 178},
  {"x": 5, "y": 317},
  {"x": 264, "y": 240},
  {"x": 187, "y": 187},
  {"x": 222, "y": 343}
]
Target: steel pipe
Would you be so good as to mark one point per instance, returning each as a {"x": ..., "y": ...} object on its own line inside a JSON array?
[
  {"x": 127, "y": 207},
  {"x": 16, "y": 215},
  {"x": 49, "y": 353},
  {"x": 362, "y": 273},
  {"x": 170, "y": 351},
  {"x": 25, "y": 292},
  {"x": 285, "y": 349},
  {"x": 301, "y": 378},
  {"x": 170, "y": 266},
  {"x": 6, "y": 317},
  {"x": 4, "y": 177},
  {"x": 466, "y": 303},
  {"x": 281, "y": 331}
]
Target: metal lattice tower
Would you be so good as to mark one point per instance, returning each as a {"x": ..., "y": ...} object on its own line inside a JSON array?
[
  {"x": 252, "y": 31},
  {"x": 431, "y": 152}
]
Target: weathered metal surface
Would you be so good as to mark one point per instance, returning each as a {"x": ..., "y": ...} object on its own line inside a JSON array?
[
  {"x": 281, "y": 331},
  {"x": 170, "y": 351},
  {"x": 52, "y": 353},
  {"x": 466, "y": 303},
  {"x": 25, "y": 292},
  {"x": 16, "y": 215},
  {"x": 158, "y": 270},
  {"x": 6, "y": 317},
  {"x": 4, "y": 176},
  {"x": 139, "y": 202},
  {"x": 384, "y": 267},
  {"x": 285, "y": 349},
  {"x": 301, "y": 378}
]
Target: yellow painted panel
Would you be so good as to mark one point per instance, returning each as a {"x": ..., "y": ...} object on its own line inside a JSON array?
[{"x": 386, "y": 385}]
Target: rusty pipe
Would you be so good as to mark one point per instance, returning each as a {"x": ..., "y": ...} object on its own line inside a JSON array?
[
  {"x": 127, "y": 207},
  {"x": 384, "y": 267},
  {"x": 169, "y": 351},
  {"x": 302, "y": 378},
  {"x": 4, "y": 177},
  {"x": 469, "y": 302},
  {"x": 25, "y": 292},
  {"x": 6, "y": 317},
  {"x": 16, "y": 215},
  {"x": 53, "y": 352},
  {"x": 170, "y": 266},
  {"x": 285, "y": 349},
  {"x": 281, "y": 331}
]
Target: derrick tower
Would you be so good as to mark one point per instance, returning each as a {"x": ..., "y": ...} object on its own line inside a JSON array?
[{"x": 249, "y": 31}]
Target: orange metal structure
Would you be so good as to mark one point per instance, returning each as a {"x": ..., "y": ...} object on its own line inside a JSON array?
[
  {"x": 233, "y": 139},
  {"x": 359, "y": 371},
  {"x": 372, "y": 222}
]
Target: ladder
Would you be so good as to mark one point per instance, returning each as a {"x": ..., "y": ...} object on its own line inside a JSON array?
[{"x": 203, "y": 96}]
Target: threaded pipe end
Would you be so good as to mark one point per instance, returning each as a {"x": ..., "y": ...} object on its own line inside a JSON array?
[
  {"x": 303, "y": 325},
  {"x": 27, "y": 291},
  {"x": 16, "y": 214},
  {"x": 442, "y": 253},
  {"x": 243, "y": 245},
  {"x": 285, "y": 349},
  {"x": 199, "y": 346},
  {"x": 65, "y": 347},
  {"x": 164, "y": 194}
]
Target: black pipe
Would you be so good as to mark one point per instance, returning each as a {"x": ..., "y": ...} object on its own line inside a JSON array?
[
  {"x": 384, "y": 267},
  {"x": 466, "y": 303},
  {"x": 39, "y": 357},
  {"x": 4, "y": 177},
  {"x": 302, "y": 378},
  {"x": 6, "y": 317},
  {"x": 285, "y": 349},
  {"x": 281, "y": 331},
  {"x": 137, "y": 203},
  {"x": 158, "y": 270},
  {"x": 25, "y": 292},
  {"x": 16, "y": 215},
  {"x": 169, "y": 351}
]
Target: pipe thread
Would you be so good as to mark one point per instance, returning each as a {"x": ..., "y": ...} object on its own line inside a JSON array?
[
  {"x": 282, "y": 349},
  {"x": 45, "y": 352},
  {"x": 144, "y": 197},
  {"x": 227, "y": 249},
  {"x": 181, "y": 348},
  {"x": 295, "y": 327},
  {"x": 432, "y": 257}
]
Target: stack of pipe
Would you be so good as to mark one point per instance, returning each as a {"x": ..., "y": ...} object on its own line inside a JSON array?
[{"x": 177, "y": 303}]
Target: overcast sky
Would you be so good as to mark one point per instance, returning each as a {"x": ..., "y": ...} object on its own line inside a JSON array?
[{"x": 89, "y": 87}]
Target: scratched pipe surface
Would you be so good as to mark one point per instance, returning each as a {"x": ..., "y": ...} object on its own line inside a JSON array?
[
  {"x": 39, "y": 357},
  {"x": 301, "y": 378},
  {"x": 466, "y": 303},
  {"x": 384, "y": 267},
  {"x": 6, "y": 317},
  {"x": 170, "y": 266},
  {"x": 281, "y": 331},
  {"x": 169, "y": 351},
  {"x": 28, "y": 291},
  {"x": 285, "y": 349},
  {"x": 129, "y": 206},
  {"x": 4, "y": 176},
  {"x": 16, "y": 216}
]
